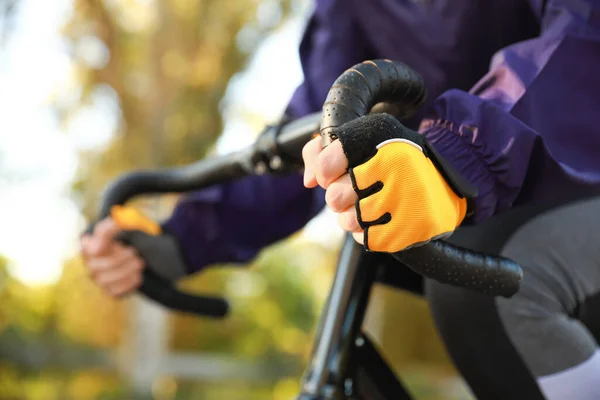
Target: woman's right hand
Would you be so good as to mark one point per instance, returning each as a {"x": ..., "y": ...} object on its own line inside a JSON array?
[{"x": 115, "y": 267}]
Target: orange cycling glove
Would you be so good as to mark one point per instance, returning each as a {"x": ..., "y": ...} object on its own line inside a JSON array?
[{"x": 408, "y": 195}]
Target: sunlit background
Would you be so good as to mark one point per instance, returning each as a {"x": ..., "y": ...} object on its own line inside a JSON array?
[{"x": 90, "y": 89}]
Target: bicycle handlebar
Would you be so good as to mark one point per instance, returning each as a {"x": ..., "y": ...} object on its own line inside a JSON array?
[{"x": 353, "y": 95}]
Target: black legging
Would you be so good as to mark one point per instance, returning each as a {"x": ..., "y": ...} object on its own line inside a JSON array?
[
  {"x": 473, "y": 325},
  {"x": 475, "y": 338}
]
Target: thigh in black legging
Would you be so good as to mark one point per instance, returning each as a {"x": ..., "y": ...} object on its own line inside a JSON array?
[
  {"x": 501, "y": 345},
  {"x": 475, "y": 338},
  {"x": 470, "y": 326}
]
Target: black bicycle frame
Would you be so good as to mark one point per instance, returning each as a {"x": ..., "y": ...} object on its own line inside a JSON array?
[{"x": 345, "y": 363}]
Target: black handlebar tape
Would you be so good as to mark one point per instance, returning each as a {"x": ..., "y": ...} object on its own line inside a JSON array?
[
  {"x": 192, "y": 177},
  {"x": 363, "y": 86},
  {"x": 353, "y": 95},
  {"x": 446, "y": 263}
]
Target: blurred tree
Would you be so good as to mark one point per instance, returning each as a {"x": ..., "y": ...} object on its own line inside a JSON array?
[{"x": 167, "y": 65}]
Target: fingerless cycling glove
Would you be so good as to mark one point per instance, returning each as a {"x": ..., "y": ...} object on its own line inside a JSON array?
[{"x": 407, "y": 194}]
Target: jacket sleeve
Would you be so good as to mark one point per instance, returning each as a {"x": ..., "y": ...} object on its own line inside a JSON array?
[
  {"x": 527, "y": 133},
  {"x": 233, "y": 222}
]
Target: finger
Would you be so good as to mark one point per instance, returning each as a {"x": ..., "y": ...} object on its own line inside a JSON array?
[
  {"x": 123, "y": 272},
  {"x": 121, "y": 255},
  {"x": 104, "y": 233},
  {"x": 331, "y": 164},
  {"x": 340, "y": 194},
  {"x": 359, "y": 237},
  {"x": 348, "y": 221},
  {"x": 125, "y": 286},
  {"x": 310, "y": 152}
]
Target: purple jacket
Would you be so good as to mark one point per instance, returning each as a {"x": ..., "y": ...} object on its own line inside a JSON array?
[{"x": 523, "y": 129}]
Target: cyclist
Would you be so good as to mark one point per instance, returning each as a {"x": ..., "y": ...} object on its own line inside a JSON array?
[{"x": 523, "y": 134}]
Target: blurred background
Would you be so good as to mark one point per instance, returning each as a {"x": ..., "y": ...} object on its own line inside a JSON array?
[{"x": 92, "y": 88}]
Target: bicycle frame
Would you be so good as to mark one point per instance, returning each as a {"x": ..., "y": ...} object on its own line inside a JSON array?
[{"x": 345, "y": 364}]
